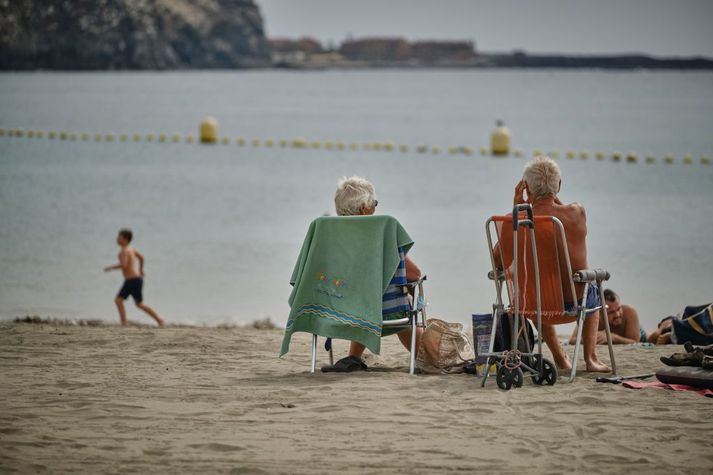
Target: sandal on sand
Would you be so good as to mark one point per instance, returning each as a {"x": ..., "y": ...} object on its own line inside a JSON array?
[
  {"x": 346, "y": 365},
  {"x": 684, "y": 359},
  {"x": 707, "y": 350}
]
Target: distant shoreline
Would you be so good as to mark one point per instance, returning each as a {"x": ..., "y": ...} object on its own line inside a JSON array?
[
  {"x": 484, "y": 61},
  {"x": 518, "y": 61}
]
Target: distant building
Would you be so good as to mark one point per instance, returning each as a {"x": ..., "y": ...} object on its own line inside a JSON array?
[
  {"x": 286, "y": 50},
  {"x": 376, "y": 49}
]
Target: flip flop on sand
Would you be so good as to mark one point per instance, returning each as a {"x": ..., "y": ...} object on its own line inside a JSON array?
[{"x": 346, "y": 365}]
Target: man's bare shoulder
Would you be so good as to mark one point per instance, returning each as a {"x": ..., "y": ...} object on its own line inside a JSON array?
[{"x": 573, "y": 210}]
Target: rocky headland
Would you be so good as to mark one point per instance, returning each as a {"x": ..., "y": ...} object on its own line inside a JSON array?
[{"x": 131, "y": 34}]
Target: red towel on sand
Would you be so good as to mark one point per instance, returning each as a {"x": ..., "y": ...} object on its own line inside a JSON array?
[{"x": 660, "y": 385}]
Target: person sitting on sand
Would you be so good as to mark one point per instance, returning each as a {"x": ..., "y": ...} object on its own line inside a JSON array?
[
  {"x": 539, "y": 187},
  {"x": 133, "y": 281},
  {"x": 623, "y": 323},
  {"x": 356, "y": 196}
]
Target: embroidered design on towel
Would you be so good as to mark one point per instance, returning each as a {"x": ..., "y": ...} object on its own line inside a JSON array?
[{"x": 321, "y": 311}]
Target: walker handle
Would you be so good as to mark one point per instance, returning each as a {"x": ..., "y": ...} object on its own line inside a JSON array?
[{"x": 516, "y": 215}]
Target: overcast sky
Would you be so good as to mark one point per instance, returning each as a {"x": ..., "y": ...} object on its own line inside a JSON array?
[{"x": 659, "y": 27}]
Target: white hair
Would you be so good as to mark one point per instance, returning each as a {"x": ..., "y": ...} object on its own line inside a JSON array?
[
  {"x": 542, "y": 176},
  {"x": 353, "y": 194}
]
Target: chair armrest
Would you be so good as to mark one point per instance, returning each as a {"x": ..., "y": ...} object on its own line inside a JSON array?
[
  {"x": 415, "y": 283},
  {"x": 500, "y": 275},
  {"x": 589, "y": 275}
]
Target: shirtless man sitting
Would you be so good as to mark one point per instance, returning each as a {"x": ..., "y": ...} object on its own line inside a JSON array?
[
  {"x": 539, "y": 187},
  {"x": 623, "y": 323}
]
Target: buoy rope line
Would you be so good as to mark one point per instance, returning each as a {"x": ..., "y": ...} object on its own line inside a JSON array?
[{"x": 301, "y": 143}]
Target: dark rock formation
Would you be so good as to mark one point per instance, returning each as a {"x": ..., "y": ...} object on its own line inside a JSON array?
[{"x": 131, "y": 34}]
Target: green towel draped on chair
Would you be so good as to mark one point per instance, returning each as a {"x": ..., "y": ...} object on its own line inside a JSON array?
[{"x": 340, "y": 277}]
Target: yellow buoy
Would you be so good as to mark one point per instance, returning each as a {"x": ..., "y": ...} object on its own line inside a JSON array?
[
  {"x": 123, "y": 137},
  {"x": 500, "y": 139},
  {"x": 705, "y": 160},
  {"x": 85, "y": 136},
  {"x": 255, "y": 142},
  {"x": 688, "y": 159},
  {"x": 150, "y": 137},
  {"x": 137, "y": 137},
  {"x": 403, "y": 148},
  {"x": 97, "y": 137},
  {"x": 668, "y": 159},
  {"x": 19, "y": 132},
  {"x": 537, "y": 152},
  {"x": 162, "y": 138},
  {"x": 283, "y": 143},
  {"x": 389, "y": 146},
  {"x": 316, "y": 144},
  {"x": 436, "y": 150},
  {"x": 483, "y": 151},
  {"x": 518, "y": 153},
  {"x": 555, "y": 154},
  {"x": 299, "y": 142},
  {"x": 376, "y": 146},
  {"x": 599, "y": 155},
  {"x": 63, "y": 135},
  {"x": 340, "y": 146},
  {"x": 453, "y": 150},
  {"x": 240, "y": 141},
  {"x": 571, "y": 155},
  {"x": 328, "y": 145},
  {"x": 2, "y": 131},
  {"x": 631, "y": 157},
  {"x": 175, "y": 138},
  {"x": 109, "y": 137},
  {"x": 353, "y": 146},
  {"x": 650, "y": 159},
  {"x": 39, "y": 134},
  {"x": 52, "y": 134},
  {"x": 422, "y": 148},
  {"x": 208, "y": 130},
  {"x": 30, "y": 133},
  {"x": 616, "y": 156},
  {"x": 269, "y": 143},
  {"x": 225, "y": 141},
  {"x": 583, "y": 155},
  {"x": 189, "y": 138},
  {"x": 468, "y": 151}
]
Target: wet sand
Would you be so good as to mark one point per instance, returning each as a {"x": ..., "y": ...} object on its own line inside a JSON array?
[{"x": 105, "y": 399}]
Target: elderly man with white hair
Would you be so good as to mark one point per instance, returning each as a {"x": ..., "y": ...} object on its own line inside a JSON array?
[
  {"x": 539, "y": 187},
  {"x": 356, "y": 196}
]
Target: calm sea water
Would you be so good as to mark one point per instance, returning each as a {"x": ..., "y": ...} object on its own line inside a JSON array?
[{"x": 221, "y": 226}]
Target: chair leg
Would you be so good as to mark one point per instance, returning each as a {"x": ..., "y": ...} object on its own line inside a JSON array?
[
  {"x": 313, "y": 364},
  {"x": 412, "y": 356},
  {"x": 578, "y": 342},
  {"x": 603, "y": 313}
]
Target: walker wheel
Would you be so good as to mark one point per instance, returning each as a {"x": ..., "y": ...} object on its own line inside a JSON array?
[
  {"x": 507, "y": 378},
  {"x": 549, "y": 372}
]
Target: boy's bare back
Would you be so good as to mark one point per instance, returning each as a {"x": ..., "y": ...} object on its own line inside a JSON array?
[{"x": 127, "y": 261}]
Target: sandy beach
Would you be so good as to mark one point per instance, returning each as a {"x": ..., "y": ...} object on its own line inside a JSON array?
[{"x": 108, "y": 399}]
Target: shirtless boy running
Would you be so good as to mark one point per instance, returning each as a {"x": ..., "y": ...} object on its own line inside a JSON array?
[{"x": 133, "y": 281}]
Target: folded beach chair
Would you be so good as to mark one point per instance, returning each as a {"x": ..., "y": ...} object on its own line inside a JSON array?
[
  {"x": 349, "y": 283},
  {"x": 534, "y": 256}
]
